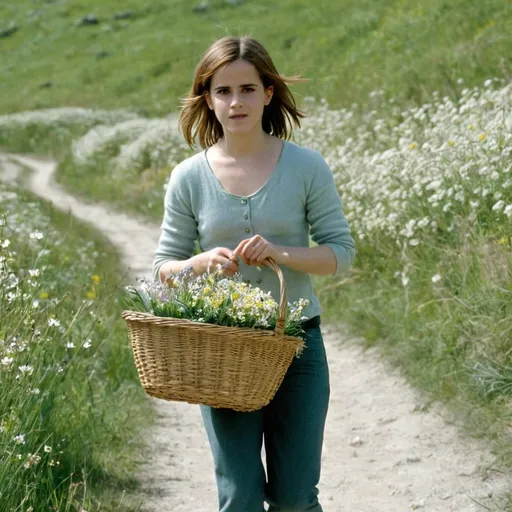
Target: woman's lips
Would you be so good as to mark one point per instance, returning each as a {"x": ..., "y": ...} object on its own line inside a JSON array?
[{"x": 238, "y": 116}]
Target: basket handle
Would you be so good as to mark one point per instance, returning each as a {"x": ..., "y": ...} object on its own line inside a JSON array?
[{"x": 283, "y": 304}]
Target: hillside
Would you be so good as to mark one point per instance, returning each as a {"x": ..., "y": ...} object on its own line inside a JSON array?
[{"x": 135, "y": 54}]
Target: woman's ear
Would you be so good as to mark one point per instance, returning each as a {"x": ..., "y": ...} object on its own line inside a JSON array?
[
  {"x": 208, "y": 99},
  {"x": 269, "y": 91}
]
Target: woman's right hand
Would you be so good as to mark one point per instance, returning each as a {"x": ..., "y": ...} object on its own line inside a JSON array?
[{"x": 217, "y": 258}]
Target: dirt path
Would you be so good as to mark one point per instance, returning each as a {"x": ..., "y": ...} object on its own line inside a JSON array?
[{"x": 384, "y": 451}]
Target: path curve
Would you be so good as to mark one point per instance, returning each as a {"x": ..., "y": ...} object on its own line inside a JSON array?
[{"x": 384, "y": 451}]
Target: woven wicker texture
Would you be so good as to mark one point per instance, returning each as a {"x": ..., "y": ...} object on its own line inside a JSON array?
[{"x": 232, "y": 367}]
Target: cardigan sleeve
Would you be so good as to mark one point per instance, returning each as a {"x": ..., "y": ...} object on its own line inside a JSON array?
[
  {"x": 179, "y": 225},
  {"x": 324, "y": 212}
]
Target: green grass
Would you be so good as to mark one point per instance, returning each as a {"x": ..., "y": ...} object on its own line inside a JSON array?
[
  {"x": 347, "y": 49},
  {"x": 79, "y": 395}
]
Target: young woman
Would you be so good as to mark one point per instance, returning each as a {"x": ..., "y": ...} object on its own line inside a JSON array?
[{"x": 251, "y": 194}]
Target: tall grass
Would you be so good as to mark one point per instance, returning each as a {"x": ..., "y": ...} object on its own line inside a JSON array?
[{"x": 71, "y": 408}]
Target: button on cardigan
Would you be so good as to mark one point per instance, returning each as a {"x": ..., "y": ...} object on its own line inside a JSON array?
[{"x": 298, "y": 201}]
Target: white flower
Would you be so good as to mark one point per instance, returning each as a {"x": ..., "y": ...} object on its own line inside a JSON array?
[
  {"x": 436, "y": 278},
  {"x": 20, "y": 439},
  {"x": 36, "y": 235},
  {"x": 34, "y": 273},
  {"x": 414, "y": 241},
  {"x": 508, "y": 210},
  {"x": 6, "y": 361},
  {"x": 47, "y": 449},
  {"x": 87, "y": 343},
  {"x": 26, "y": 369},
  {"x": 498, "y": 206},
  {"x": 70, "y": 345},
  {"x": 53, "y": 322},
  {"x": 405, "y": 280},
  {"x": 35, "y": 391},
  {"x": 5, "y": 243},
  {"x": 31, "y": 460}
]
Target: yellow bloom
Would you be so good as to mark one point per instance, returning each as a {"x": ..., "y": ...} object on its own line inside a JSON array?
[
  {"x": 43, "y": 295},
  {"x": 452, "y": 143},
  {"x": 471, "y": 126},
  {"x": 91, "y": 294},
  {"x": 236, "y": 295},
  {"x": 503, "y": 241},
  {"x": 482, "y": 137},
  {"x": 95, "y": 279},
  {"x": 412, "y": 146}
]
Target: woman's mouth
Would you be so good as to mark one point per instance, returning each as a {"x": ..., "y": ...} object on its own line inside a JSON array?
[{"x": 238, "y": 116}]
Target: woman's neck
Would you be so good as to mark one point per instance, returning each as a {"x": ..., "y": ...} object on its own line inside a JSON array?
[{"x": 243, "y": 145}]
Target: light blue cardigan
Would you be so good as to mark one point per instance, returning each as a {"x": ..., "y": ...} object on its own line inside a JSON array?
[{"x": 299, "y": 195}]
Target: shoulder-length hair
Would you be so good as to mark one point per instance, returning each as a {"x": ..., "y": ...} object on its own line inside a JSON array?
[{"x": 198, "y": 122}]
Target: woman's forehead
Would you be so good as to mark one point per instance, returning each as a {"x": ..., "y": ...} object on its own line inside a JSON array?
[{"x": 236, "y": 73}]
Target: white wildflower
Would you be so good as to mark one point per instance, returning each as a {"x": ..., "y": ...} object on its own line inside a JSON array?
[
  {"x": 36, "y": 235},
  {"x": 19, "y": 439},
  {"x": 53, "y": 322},
  {"x": 436, "y": 278},
  {"x": 26, "y": 369}
]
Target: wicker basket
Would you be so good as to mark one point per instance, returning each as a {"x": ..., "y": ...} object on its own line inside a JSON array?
[{"x": 232, "y": 367}]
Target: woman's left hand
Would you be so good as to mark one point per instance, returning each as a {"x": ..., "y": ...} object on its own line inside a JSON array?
[{"x": 254, "y": 250}]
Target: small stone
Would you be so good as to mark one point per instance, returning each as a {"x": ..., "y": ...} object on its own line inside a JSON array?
[
  {"x": 46, "y": 85},
  {"x": 387, "y": 421},
  {"x": 90, "y": 19},
  {"x": 202, "y": 7},
  {"x": 9, "y": 31},
  {"x": 418, "y": 504},
  {"x": 357, "y": 441},
  {"x": 412, "y": 460},
  {"x": 124, "y": 15}
]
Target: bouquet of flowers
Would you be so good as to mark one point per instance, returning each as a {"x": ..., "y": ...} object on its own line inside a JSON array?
[{"x": 213, "y": 299}]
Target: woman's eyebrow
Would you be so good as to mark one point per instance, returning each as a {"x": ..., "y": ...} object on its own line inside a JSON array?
[{"x": 227, "y": 86}]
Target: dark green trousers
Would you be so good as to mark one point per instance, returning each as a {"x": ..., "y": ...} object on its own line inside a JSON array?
[{"x": 292, "y": 428}]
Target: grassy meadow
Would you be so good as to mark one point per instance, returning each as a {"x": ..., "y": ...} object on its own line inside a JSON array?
[
  {"x": 410, "y": 104},
  {"x": 141, "y": 55},
  {"x": 71, "y": 408}
]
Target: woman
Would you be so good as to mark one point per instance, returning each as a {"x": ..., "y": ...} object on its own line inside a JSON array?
[{"x": 251, "y": 194}]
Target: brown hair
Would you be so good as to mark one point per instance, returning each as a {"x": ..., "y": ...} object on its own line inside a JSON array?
[{"x": 196, "y": 119}]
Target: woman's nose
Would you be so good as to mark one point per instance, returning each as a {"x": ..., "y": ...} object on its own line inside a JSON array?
[{"x": 236, "y": 100}]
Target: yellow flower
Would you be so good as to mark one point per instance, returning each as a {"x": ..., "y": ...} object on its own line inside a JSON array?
[
  {"x": 452, "y": 143},
  {"x": 471, "y": 126},
  {"x": 91, "y": 294},
  {"x": 95, "y": 279},
  {"x": 503, "y": 241},
  {"x": 412, "y": 146},
  {"x": 236, "y": 295},
  {"x": 43, "y": 295},
  {"x": 482, "y": 137}
]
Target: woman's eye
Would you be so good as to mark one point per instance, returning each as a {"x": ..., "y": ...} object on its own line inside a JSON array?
[{"x": 248, "y": 89}]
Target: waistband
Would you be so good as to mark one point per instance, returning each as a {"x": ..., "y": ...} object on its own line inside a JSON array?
[{"x": 312, "y": 323}]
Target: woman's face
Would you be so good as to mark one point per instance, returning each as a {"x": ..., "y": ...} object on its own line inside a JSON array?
[{"x": 238, "y": 97}]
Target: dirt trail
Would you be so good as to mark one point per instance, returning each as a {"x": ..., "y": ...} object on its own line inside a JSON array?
[{"x": 384, "y": 451}]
